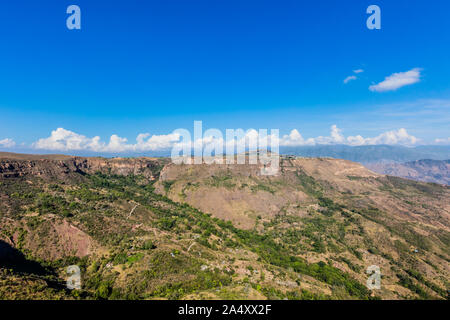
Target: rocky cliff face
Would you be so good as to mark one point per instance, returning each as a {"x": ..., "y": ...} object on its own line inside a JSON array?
[
  {"x": 240, "y": 194},
  {"x": 62, "y": 168}
]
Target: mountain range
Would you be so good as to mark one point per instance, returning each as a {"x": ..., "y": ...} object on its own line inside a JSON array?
[
  {"x": 370, "y": 154},
  {"x": 437, "y": 171},
  {"x": 145, "y": 228}
]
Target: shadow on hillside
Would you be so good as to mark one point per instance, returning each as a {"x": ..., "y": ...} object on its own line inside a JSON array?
[{"x": 11, "y": 258}]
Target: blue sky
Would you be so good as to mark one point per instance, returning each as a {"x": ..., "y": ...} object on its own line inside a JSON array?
[{"x": 154, "y": 66}]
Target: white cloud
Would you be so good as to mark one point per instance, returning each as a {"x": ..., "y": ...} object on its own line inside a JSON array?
[
  {"x": 349, "y": 78},
  {"x": 398, "y": 137},
  {"x": 65, "y": 140},
  {"x": 401, "y": 137},
  {"x": 335, "y": 137},
  {"x": 156, "y": 142},
  {"x": 294, "y": 138},
  {"x": 397, "y": 80},
  {"x": 7, "y": 143},
  {"x": 443, "y": 141},
  {"x": 353, "y": 77}
]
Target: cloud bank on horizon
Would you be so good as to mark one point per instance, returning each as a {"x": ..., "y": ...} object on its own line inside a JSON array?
[{"x": 66, "y": 140}]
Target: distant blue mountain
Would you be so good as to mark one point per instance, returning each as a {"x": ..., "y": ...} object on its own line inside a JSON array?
[
  {"x": 368, "y": 154},
  {"x": 363, "y": 154}
]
